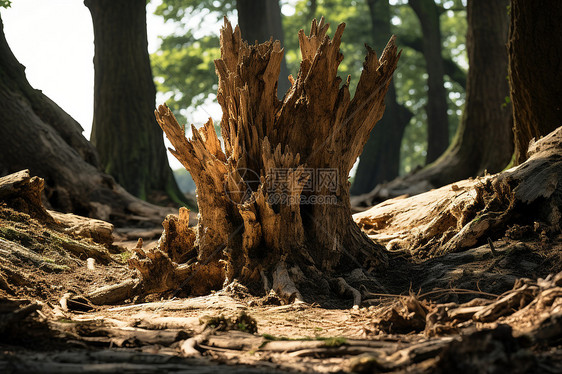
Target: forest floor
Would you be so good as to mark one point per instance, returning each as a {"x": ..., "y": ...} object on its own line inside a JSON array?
[{"x": 477, "y": 310}]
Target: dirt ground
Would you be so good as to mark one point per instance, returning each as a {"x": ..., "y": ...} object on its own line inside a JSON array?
[{"x": 415, "y": 318}]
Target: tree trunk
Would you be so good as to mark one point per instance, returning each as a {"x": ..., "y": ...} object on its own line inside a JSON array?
[
  {"x": 436, "y": 108},
  {"x": 453, "y": 70},
  {"x": 484, "y": 138},
  {"x": 51, "y": 145},
  {"x": 125, "y": 132},
  {"x": 380, "y": 160},
  {"x": 274, "y": 205},
  {"x": 534, "y": 70},
  {"x": 259, "y": 21}
]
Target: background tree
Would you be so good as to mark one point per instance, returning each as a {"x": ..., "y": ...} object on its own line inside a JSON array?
[
  {"x": 436, "y": 108},
  {"x": 380, "y": 159},
  {"x": 484, "y": 139},
  {"x": 535, "y": 38},
  {"x": 124, "y": 131},
  {"x": 51, "y": 145},
  {"x": 411, "y": 77}
]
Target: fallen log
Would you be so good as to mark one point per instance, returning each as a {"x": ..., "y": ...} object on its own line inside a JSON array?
[
  {"x": 463, "y": 214},
  {"x": 99, "y": 231},
  {"x": 115, "y": 293},
  {"x": 12, "y": 252},
  {"x": 213, "y": 301}
]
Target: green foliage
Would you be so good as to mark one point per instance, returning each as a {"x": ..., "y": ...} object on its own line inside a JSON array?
[
  {"x": 125, "y": 256},
  {"x": 355, "y": 14},
  {"x": 184, "y": 68},
  {"x": 242, "y": 322},
  {"x": 5, "y": 3},
  {"x": 182, "y": 10},
  {"x": 333, "y": 342}
]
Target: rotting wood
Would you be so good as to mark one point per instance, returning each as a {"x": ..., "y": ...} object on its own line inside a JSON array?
[
  {"x": 345, "y": 290},
  {"x": 461, "y": 215},
  {"x": 215, "y": 301},
  {"x": 115, "y": 293},
  {"x": 23, "y": 193},
  {"x": 11, "y": 251},
  {"x": 95, "y": 229},
  {"x": 252, "y": 218}
]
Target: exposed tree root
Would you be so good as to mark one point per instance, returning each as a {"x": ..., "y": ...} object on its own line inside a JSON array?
[
  {"x": 114, "y": 293},
  {"x": 284, "y": 285},
  {"x": 467, "y": 213},
  {"x": 346, "y": 290}
]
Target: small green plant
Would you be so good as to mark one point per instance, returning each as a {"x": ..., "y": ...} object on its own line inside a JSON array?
[
  {"x": 506, "y": 102},
  {"x": 125, "y": 256}
]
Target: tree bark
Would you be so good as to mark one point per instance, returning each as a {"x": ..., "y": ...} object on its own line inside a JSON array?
[
  {"x": 274, "y": 205},
  {"x": 51, "y": 145},
  {"x": 259, "y": 21},
  {"x": 125, "y": 132},
  {"x": 380, "y": 160},
  {"x": 436, "y": 108},
  {"x": 453, "y": 70},
  {"x": 535, "y": 58}
]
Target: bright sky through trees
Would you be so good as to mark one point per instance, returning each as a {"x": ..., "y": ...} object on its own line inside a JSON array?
[{"x": 54, "y": 40}]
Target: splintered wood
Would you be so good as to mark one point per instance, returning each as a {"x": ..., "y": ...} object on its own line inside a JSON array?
[{"x": 274, "y": 203}]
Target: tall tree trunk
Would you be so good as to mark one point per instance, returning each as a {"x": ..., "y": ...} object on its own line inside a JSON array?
[
  {"x": 274, "y": 205},
  {"x": 535, "y": 58},
  {"x": 484, "y": 138},
  {"x": 125, "y": 132},
  {"x": 259, "y": 21},
  {"x": 380, "y": 160},
  {"x": 37, "y": 134},
  {"x": 436, "y": 108},
  {"x": 452, "y": 69}
]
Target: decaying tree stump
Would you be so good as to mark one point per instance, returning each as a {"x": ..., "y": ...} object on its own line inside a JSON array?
[{"x": 274, "y": 206}]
